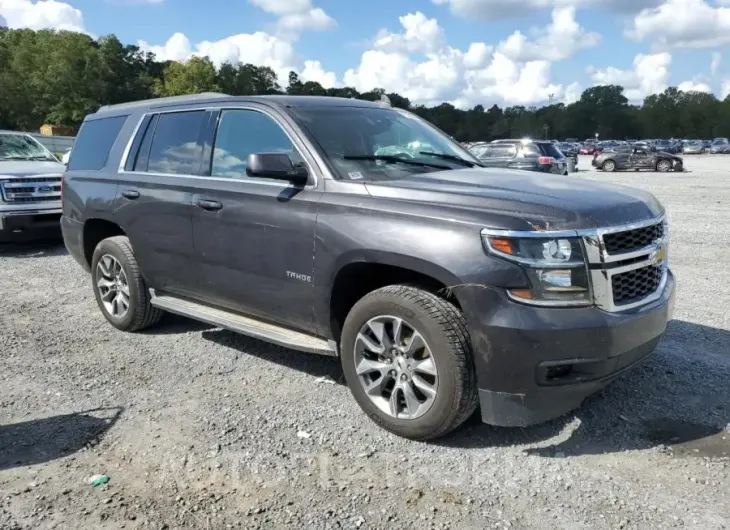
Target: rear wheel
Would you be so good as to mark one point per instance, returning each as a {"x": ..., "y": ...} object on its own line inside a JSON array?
[
  {"x": 407, "y": 359},
  {"x": 609, "y": 165},
  {"x": 663, "y": 165},
  {"x": 120, "y": 290}
]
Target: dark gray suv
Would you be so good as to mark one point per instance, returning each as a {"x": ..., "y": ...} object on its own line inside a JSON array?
[
  {"x": 529, "y": 155},
  {"x": 352, "y": 229}
]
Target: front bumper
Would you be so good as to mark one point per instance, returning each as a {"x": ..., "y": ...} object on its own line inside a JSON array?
[
  {"x": 534, "y": 364},
  {"x": 27, "y": 224}
]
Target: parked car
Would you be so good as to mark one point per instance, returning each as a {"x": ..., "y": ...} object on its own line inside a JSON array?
[
  {"x": 720, "y": 146},
  {"x": 66, "y": 156},
  {"x": 30, "y": 189},
  {"x": 693, "y": 147},
  {"x": 667, "y": 146},
  {"x": 571, "y": 153},
  {"x": 272, "y": 216},
  {"x": 588, "y": 149},
  {"x": 637, "y": 158},
  {"x": 707, "y": 144},
  {"x": 529, "y": 155}
]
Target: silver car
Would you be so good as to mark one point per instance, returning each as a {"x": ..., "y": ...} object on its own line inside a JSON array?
[{"x": 30, "y": 189}]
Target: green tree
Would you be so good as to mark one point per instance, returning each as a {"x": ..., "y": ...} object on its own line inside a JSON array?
[{"x": 194, "y": 76}]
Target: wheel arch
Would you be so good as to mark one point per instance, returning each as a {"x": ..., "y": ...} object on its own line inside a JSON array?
[
  {"x": 95, "y": 231},
  {"x": 359, "y": 273}
]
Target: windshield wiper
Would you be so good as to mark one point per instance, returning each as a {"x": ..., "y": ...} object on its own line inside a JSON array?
[
  {"x": 15, "y": 158},
  {"x": 395, "y": 159},
  {"x": 453, "y": 158}
]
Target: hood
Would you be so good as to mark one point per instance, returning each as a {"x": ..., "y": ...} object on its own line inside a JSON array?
[
  {"x": 30, "y": 168},
  {"x": 522, "y": 200},
  {"x": 667, "y": 154}
]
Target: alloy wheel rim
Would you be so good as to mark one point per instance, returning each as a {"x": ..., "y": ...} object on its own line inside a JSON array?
[
  {"x": 111, "y": 281},
  {"x": 395, "y": 367}
]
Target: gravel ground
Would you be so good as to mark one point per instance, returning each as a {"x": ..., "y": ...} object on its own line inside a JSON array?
[{"x": 200, "y": 428}]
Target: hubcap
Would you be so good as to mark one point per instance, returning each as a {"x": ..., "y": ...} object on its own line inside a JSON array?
[
  {"x": 395, "y": 367},
  {"x": 111, "y": 280}
]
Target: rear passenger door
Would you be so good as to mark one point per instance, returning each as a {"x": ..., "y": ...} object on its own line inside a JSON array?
[
  {"x": 154, "y": 197},
  {"x": 254, "y": 237}
]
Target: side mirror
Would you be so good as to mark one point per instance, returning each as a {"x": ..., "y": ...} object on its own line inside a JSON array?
[{"x": 275, "y": 166}]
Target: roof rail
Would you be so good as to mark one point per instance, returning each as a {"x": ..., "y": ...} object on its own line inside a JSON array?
[{"x": 162, "y": 101}]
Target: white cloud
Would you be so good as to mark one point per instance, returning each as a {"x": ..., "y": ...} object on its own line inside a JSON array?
[
  {"x": 295, "y": 16},
  {"x": 725, "y": 89},
  {"x": 715, "y": 63},
  {"x": 43, "y": 14},
  {"x": 683, "y": 24},
  {"x": 572, "y": 93},
  {"x": 419, "y": 64},
  {"x": 420, "y": 35},
  {"x": 562, "y": 38},
  {"x": 513, "y": 83},
  {"x": 694, "y": 85},
  {"x": 495, "y": 9},
  {"x": 314, "y": 71},
  {"x": 650, "y": 75},
  {"x": 260, "y": 49}
]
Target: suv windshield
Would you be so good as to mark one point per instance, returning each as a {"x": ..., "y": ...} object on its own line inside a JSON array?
[
  {"x": 367, "y": 143},
  {"x": 22, "y": 147}
]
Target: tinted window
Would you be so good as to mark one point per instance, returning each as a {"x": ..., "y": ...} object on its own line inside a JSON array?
[
  {"x": 495, "y": 151},
  {"x": 95, "y": 140},
  {"x": 548, "y": 149},
  {"x": 175, "y": 148},
  {"x": 243, "y": 132}
]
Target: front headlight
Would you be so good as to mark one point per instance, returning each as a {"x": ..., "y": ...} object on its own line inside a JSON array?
[{"x": 555, "y": 266}]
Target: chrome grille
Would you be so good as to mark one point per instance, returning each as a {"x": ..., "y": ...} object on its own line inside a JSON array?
[
  {"x": 628, "y": 264},
  {"x": 32, "y": 189},
  {"x": 635, "y": 285},
  {"x": 629, "y": 240}
]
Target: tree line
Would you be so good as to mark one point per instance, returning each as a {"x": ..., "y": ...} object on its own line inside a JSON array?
[{"x": 58, "y": 77}]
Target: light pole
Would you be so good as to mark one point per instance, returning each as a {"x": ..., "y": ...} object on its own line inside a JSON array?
[{"x": 550, "y": 104}]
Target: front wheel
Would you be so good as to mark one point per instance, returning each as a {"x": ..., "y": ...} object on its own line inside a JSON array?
[
  {"x": 663, "y": 165},
  {"x": 119, "y": 288},
  {"x": 407, "y": 358},
  {"x": 609, "y": 165}
]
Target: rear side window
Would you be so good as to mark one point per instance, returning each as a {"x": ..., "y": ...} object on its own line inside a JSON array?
[
  {"x": 496, "y": 151},
  {"x": 95, "y": 140},
  {"x": 549, "y": 149},
  {"x": 175, "y": 148}
]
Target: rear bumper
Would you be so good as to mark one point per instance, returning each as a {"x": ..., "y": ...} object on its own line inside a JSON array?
[
  {"x": 73, "y": 238},
  {"x": 535, "y": 364},
  {"x": 27, "y": 225}
]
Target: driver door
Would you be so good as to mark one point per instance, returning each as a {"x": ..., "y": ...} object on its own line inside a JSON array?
[
  {"x": 640, "y": 159},
  {"x": 254, "y": 237}
]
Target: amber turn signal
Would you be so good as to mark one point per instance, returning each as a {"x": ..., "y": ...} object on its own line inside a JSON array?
[{"x": 501, "y": 245}]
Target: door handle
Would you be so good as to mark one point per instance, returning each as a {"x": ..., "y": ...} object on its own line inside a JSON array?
[
  {"x": 130, "y": 194},
  {"x": 210, "y": 206}
]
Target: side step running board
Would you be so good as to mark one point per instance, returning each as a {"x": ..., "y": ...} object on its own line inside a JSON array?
[{"x": 244, "y": 325}]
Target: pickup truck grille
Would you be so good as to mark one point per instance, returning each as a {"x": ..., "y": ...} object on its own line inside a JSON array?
[
  {"x": 32, "y": 189},
  {"x": 630, "y": 240},
  {"x": 634, "y": 285}
]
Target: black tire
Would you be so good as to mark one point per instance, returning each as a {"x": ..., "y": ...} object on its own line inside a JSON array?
[
  {"x": 664, "y": 163},
  {"x": 141, "y": 314},
  {"x": 609, "y": 166},
  {"x": 444, "y": 328}
]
